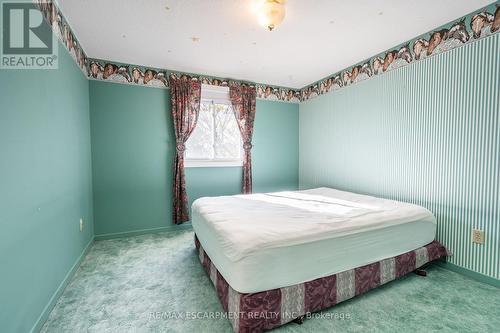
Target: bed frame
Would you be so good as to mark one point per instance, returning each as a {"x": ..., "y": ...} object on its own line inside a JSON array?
[{"x": 262, "y": 311}]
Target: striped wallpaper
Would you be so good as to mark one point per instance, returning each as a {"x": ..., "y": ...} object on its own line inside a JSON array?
[{"x": 426, "y": 133}]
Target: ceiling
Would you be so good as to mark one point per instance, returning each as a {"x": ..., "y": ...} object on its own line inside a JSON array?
[{"x": 222, "y": 37}]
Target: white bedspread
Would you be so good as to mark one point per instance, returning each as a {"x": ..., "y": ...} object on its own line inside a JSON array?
[{"x": 233, "y": 229}]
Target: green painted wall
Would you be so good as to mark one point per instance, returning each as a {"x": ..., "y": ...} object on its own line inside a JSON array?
[
  {"x": 132, "y": 152},
  {"x": 45, "y": 186},
  {"x": 427, "y": 133},
  {"x": 132, "y": 144}
]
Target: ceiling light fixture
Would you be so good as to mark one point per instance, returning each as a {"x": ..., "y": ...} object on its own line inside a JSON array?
[{"x": 270, "y": 13}]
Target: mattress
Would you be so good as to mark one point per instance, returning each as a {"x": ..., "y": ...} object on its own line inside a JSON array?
[{"x": 272, "y": 240}]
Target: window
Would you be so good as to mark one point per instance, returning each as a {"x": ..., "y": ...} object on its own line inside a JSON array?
[{"x": 216, "y": 139}]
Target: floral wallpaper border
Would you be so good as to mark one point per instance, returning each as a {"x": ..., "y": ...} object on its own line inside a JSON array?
[
  {"x": 105, "y": 70},
  {"x": 481, "y": 23}
]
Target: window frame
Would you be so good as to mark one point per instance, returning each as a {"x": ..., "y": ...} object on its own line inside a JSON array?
[{"x": 215, "y": 95}]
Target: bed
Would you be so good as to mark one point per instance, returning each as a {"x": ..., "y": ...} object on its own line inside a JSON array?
[{"x": 274, "y": 257}]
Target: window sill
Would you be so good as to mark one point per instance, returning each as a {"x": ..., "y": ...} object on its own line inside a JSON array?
[{"x": 211, "y": 164}]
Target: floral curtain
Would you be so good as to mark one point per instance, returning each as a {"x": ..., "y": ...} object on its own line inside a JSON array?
[
  {"x": 185, "y": 96},
  {"x": 243, "y": 99}
]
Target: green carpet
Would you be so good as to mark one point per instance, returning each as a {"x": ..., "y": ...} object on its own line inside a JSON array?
[{"x": 122, "y": 282}]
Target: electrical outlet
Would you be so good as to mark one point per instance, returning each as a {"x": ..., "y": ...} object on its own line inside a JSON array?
[
  {"x": 81, "y": 225},
  {"x": 477, "y": 236}
]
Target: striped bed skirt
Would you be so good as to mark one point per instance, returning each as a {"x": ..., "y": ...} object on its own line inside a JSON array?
[{"x": 262, "y": 311}]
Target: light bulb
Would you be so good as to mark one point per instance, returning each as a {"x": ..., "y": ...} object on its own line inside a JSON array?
[{"x": 270, "y": 13}]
